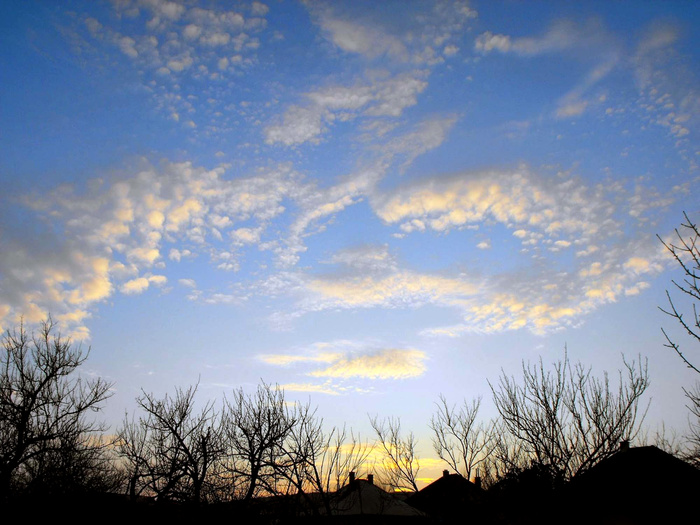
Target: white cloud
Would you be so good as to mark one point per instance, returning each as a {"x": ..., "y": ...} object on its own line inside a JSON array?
[
  {"x": 379, "y": 98},
  {"x": 312, "y": 388},
  {"x": 416, "y": 39},
  {"x": 189, "y": 283},
  {"x": 317, "y": 205},
  {"x": 289, "y": 359},
  {"x": 398, "y": 289},
  {"x": 115, "y": 234},
  {"x": 487, "y": 42},
  {"x": 345, "y": 359},
  {"x": 140, "y": 284},
  {"x": 519, "y": 199},
  {"x": 669, "y": 92},
  {"x": 175, "y": 40},
  {"x": 357, "y": 37},
  {"x": 572, "y": 109},
  {"x": 450, "y": 50},
  {"x": 587, "y": 40},
  {"x": 380, "y": 94},
  {"x": 135, "y": 286},
  {"x": 561, "y": 35},
  {"x": 557, "y": 213},
  {"x": 366, "y": 258},
  {"x": 126, "y": 44},
  {"x": 259, "y": 9},
  {"x": 299, "y": 125}
]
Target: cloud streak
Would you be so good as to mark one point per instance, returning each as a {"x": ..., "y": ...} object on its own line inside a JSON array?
[
  {"x": 390, "y": 363},
  {"x": 345, "y": 360}
]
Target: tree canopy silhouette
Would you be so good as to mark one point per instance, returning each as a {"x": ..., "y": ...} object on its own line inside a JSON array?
[
  {"x": 568, "y": 419},
  {"x": 44, "y": 405}
]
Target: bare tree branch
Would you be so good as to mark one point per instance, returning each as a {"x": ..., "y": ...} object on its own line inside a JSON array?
[
  {"x": 43, "y": 402},
  {"x": 458, "y": 438},
  {"x": 255, "y": 428},
  {"x": 400, "y": 464},
  {"x": 686, "y": 252},
  {"x": 566, "y": 418},
  {"x": 171, "y": 450}
]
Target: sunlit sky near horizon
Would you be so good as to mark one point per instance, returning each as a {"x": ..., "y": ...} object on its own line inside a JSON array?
[{"x": 368, "y": 203}]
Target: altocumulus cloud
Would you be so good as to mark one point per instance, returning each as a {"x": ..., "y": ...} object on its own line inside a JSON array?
[{"x": 111, "y": 236}]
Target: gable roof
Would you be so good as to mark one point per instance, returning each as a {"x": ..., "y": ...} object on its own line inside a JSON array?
[
  {"x": 448, "y": 495},
  {"x": 638, "y": 467},
  {"x": 453, "y": 485},
  {"x": 637, "y": 485},
  {"x": 363, "y": 497}
]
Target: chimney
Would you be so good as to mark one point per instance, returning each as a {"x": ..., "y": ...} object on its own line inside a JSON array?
[
  {"x": 477, "y": 482},
  {"x": 370, "y": 479},
  {"x": 624, "y": 445},
  {"x": 445, "y": 473},
  {"x": 352, "y": 477}
]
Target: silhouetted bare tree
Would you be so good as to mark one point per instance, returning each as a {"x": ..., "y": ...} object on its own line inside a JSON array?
[
  {"x": 568, "y": 419},
  {"x": 400, "y": 465},
  {"x": 344, "y": 454},
  {"x": 133, "y": 446},
  {"x": 686, "y": 251},
  {"x": 80, "y": 466},
  {"x": 507, "y": 455},
  {"x": 255, "y": 428},
  {"x": 459, "y": 439},
  {"x": 44, "y": 403},
  {"x": 171, "y": 450},
  {"x": 319, "y": 461}
]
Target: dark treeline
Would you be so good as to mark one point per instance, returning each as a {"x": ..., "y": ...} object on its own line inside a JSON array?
[{"x": 555, "y": 423}]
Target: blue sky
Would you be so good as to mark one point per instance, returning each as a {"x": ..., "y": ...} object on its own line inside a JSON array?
[{"x": 369, "y": 203}]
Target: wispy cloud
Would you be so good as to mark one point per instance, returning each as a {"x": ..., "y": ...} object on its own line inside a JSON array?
[
  {"x": 586, "y": 41},
  {"x": 399, "y": 289},
  {"x": 321, "y": 204},
  {"x": 561, "y": 35},
  {"x": 378, "y": 98},
  {"x": 313, "y": 388},
  {"x": 357, "y": 31},
  {"x": 352, "y": 359},
  {"x": 385, "y": 364},
  {"x": 287, "y": 359},
  {"x": 423, "y": 42},
  {"x": 559, "y": 214}
]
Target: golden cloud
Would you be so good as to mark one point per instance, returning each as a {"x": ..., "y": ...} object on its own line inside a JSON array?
[
  {"x": 403, "y": 287},
  {"x": 391, "y": 363}
]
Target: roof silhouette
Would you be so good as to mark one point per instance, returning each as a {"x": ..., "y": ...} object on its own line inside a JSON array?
[
  {"x": 448, "y": 496},
  {"x": 637, "y": 485},
  {"x": 362, "y": 496}
]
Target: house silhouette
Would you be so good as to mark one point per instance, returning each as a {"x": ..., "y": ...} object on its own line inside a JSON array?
[
  {"x": 449, "y": 499},
  {"x": 636, "y": 486},
  {"x": 361, "y": 501}
]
